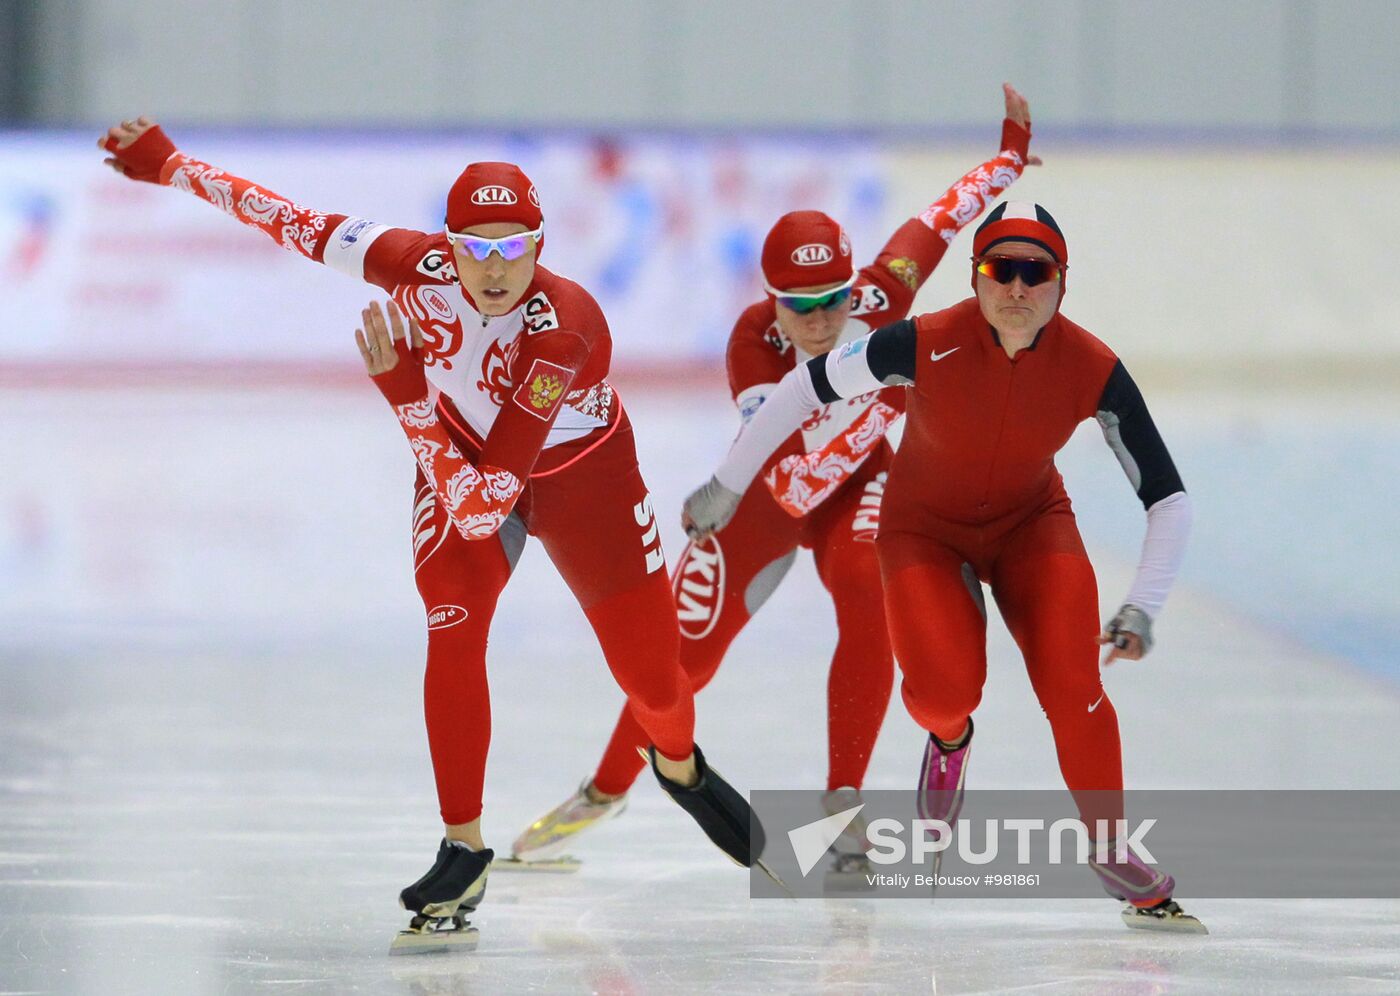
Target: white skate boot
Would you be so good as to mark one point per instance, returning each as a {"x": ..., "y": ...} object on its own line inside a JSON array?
[
  {"x": 540, "y": 847},
  {"x": 850, "y": 869}
]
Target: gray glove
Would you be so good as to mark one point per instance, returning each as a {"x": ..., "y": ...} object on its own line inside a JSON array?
[
  {"x": 708, "y": 509},
  {"x": 1131, "y": 619}
]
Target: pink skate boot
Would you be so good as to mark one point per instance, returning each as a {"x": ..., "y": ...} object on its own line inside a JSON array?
[
  {"x": 1146, "y": 891},
  {"x": 941, "y": 779},
  {"x": 940, "y": 793}
]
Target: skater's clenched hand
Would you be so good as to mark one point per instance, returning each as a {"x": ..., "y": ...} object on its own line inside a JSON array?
[
  {"x": 708, "y": 510},
  {"x": 1129, "y": 632},
  {"x": 1123, "y": 646},
  {"x": 139, "y": 149},
  {"x": 381, "y": 343}
]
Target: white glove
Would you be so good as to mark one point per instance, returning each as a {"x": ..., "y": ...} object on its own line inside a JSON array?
[
  {"x": 708, "y": 509},
  {"x": 1131, "y": 619}
]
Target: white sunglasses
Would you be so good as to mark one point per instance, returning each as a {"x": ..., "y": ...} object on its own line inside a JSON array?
[{"x": 508, "y": 247}]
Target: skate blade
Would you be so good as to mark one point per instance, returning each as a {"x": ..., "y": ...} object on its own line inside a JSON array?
[
  {"x": 431, "y": 941},
  {"x": 777, "y": 880},
  {"x": 937, "y": 867},
  {"x": 565, "y": 865},
  {"x": 1169, "y": 923}
]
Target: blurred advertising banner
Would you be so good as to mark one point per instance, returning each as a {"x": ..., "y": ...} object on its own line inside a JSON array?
[{"x": 664, "y": 230}]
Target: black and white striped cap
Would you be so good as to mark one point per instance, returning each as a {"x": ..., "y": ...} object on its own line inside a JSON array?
[{"x": 1021, "y": 221}]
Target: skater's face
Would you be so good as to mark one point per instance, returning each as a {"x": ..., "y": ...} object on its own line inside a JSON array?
[
  {"x": 495, "y": 283},
  {"x": 1016, "y": 308},
  {"x": 816, "y": 331}
]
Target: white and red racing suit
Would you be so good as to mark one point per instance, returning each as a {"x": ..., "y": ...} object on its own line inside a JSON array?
[{"x": 516, "y": 432}]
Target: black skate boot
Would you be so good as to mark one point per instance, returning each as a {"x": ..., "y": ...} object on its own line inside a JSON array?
[
  {"x": 721, "y": 811},
  {"x": 441, "y": 900}
]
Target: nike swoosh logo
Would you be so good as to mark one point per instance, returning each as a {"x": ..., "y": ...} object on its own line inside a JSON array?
[
  {"x": 938, "y": 356},
  {"x": 1096, "y": 704}
]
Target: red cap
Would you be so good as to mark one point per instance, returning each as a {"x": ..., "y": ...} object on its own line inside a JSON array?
[
  {"x": 1021, "y": 221},
  {"x": 487, "y": 193},
  {"x": 806, "y": 249}
]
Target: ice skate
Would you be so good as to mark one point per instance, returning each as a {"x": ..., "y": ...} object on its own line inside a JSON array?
[
  {"x": 1166, "y": 916},
  {"x": 721, "y": 811},
  {"x": 940, "y": 795},
  {"x": 849, "y": 870},
  {"x": 940, "y": 791},
  {"x": 430, "y": 934},
  {"x": 1145, "y": 891},
  {"x": 441, "y": 901},
  {"x": 541, "y": 846}
]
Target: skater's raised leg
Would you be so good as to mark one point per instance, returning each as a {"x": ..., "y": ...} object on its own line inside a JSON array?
[
  {"x": 629, "y": 604},
  {"x": 713, "y": 803}
]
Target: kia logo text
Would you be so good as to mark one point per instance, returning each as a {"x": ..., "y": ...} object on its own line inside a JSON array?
[
  {"x": 812, "y": 254},
  {"x": 493, "y": 194}
]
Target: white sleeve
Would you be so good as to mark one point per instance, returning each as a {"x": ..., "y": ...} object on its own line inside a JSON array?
[
  {"x": 1163, "y": 549},
  {"x": 847, "y": 372},
  {"x": 779, "y": 416},
  {"x": 345, "y": 249},
  {"x": 848, "y": 369}
]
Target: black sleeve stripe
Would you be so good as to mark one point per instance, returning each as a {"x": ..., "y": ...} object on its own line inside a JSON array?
[
  {"x": 816, "y": 369},
  {"x": 890, "y": 357},
  {"x": 893, "y": 352},
  {"x": 1133, "y": 435}
]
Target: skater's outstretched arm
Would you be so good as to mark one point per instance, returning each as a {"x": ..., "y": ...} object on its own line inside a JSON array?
[
  {"x": 800, "y": 483},
  {"x": 379, "y": 254},
  {"x": 477, "y": 497},
  {"x": 912, "y": 253},
  {"x": 884, "y": 358}
]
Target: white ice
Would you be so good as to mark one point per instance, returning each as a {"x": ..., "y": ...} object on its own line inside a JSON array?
[{"x": 214, "y": 779}]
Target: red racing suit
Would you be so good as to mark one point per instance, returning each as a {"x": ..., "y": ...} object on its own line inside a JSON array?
[{"x": 974, "y": 497}]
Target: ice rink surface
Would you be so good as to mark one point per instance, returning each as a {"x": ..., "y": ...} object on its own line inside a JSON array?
[{"x": 214, "y": 778}]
